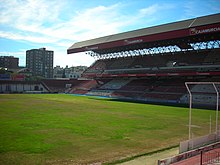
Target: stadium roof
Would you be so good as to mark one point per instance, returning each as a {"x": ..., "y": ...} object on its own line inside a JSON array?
[{"x": 193, "y": 27}]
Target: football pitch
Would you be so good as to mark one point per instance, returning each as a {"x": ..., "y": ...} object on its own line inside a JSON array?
[{"x": 67, "y": 129}]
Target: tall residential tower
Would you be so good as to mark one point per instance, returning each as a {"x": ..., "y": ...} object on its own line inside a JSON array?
[{"x": 40, "y": 62}]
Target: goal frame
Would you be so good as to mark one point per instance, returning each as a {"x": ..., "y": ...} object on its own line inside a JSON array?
[{"x": 190, "y": 101}]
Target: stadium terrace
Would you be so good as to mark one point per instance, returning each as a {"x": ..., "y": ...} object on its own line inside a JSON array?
[{"x": 153, "y": 64}]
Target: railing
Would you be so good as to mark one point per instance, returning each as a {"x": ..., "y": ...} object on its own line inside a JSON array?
[
  {"x": 203, "y": 154},
  {"x": 208, "y": 158}
]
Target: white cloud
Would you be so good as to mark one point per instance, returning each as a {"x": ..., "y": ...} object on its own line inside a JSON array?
[
  {"x": 149, "y": 10},
  {"x": 29, "y": 12},
  {"x": 26, "y": 37},
  {"x": 37, "y": 17},
  {"x": 39, "y": 21}
]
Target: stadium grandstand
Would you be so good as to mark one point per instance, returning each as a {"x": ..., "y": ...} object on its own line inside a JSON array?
[{"x": 153, "y": 64}]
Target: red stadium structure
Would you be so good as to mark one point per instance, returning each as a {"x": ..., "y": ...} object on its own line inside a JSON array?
[{"x": 152, "y": 64}]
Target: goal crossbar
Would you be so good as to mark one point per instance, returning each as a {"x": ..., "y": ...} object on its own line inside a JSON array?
[{"x": 190, "y": 101}]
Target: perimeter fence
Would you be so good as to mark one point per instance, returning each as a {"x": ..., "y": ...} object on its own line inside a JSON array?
[{"x": 208, "y": 158}]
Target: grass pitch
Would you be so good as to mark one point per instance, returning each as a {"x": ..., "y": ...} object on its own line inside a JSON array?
[{"x": 66, "y": 129}]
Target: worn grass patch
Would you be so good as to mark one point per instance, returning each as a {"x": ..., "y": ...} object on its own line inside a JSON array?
[{"x": 57, "y": 129}]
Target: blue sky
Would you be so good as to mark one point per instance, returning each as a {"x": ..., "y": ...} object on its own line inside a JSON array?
[{"x": 57, "y": 24}]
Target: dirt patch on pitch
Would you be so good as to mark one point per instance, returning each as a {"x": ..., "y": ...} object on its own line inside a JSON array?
[{"x": 152, "y": 159}]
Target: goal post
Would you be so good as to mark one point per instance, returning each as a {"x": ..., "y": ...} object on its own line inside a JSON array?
[{"x": 190, "y": 101}]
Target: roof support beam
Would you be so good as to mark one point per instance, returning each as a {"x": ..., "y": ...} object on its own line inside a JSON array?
[{"x": 215, "y": 44}]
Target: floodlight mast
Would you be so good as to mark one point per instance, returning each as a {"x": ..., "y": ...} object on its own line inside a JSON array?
[{"x": 190, "y": 102}]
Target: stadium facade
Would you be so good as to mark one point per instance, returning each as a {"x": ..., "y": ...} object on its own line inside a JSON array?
[{"x": 153, "y": 64}]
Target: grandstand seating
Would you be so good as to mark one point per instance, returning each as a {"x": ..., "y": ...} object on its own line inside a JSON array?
[
  {"x": 83, "y": 86},
  {"x": 212, "y": 57},
  {"x": 149, "y": 89},
  {"x": 158, "y": 63},
  {"x": 144, "y": 89},
  {"x": 121, "y": 62},
  {"x": 154, "y": 63},
  {"x": 115, "y": 84},
  {"x": 59, "y": 85},
  {"x": 202, "y": 94},
  {"x": 168, "y": 89},
  {"x": 137, "y": 86},
  {"x": 96, "y": 67},
  {"x": 127, "y": 94},
  {"x": 159, "y": 89}
]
